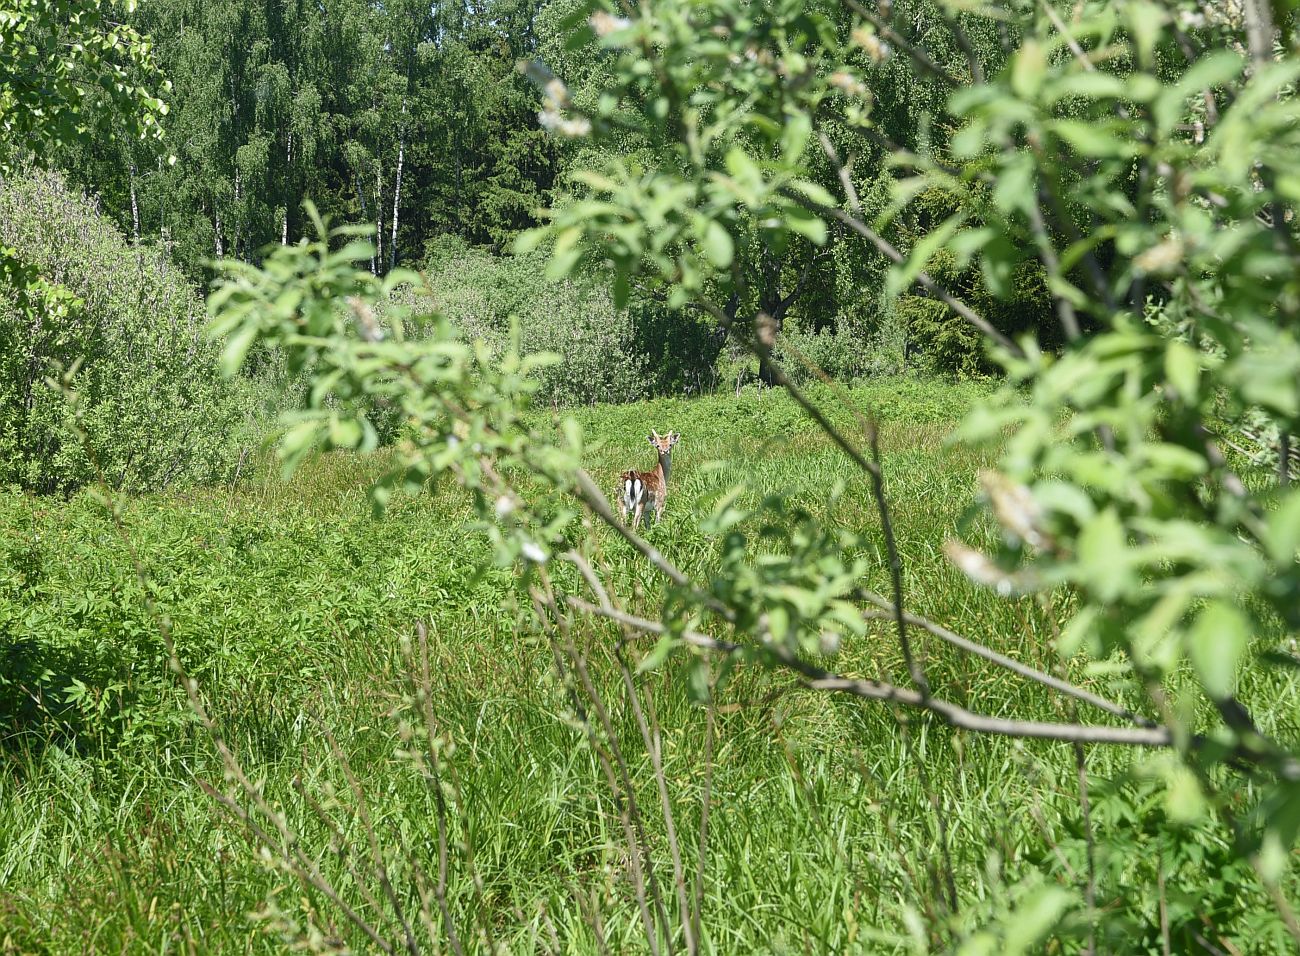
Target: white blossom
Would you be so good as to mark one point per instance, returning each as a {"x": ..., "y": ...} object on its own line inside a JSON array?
[
  {"x": 573, "y": 128},
  {"x": 604, "y": 23}
]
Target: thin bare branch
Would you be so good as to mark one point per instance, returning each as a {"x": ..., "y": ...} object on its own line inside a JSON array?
[
  {"x": 706, "y": 798},
  {"x": 917, "y": 55},
  {"x": 305, "y": 871},
  {"x": 1090, "y": 844},
  {"x": 873, "y": 469},
  {"x": 372, "y": 841},
  {"x": 915, "y": 669},
  {"x": 1056, "y": 278},
  {"x": 424, "y": 696},
  {"x": 817, "y": 678},
  {"x": 923, "y": 278},
  {"x": 591, "y": 495},
  {"x": 639, "y": 845},
  {"x": 964, "y": 44},
  {"x": 992, "y": 656}
]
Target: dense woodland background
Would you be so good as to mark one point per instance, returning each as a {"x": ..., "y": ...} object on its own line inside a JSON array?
[{"x": 416, "y": 118}]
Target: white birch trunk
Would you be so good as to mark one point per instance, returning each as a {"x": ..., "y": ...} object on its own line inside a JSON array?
[
  {"x": 288, "y": 156},
  {"x": 379, "y": 216},
  {"x": 135, "y": 209},
  {"x": 397, "y": 200},
  {"x": 239, "y": 190},
  {"x": 397, "y": 189}
]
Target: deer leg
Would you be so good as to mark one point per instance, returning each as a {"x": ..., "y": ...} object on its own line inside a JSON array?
[
  {"x": 636, "y": 515},
  {"x": 625, "y": 498}
]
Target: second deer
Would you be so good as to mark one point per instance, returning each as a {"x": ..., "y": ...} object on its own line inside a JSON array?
[{"x": 639, "y": 488}]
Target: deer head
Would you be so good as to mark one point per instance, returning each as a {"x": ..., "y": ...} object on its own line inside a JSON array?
[{"x": 663, "y": 443}]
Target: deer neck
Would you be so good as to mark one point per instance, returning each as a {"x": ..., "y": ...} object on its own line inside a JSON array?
[{"x": 665, "y": 465}]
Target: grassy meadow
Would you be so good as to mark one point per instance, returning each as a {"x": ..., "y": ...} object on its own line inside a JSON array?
[{"x": 836, "y": 825}]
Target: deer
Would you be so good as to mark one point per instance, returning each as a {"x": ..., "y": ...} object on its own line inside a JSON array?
[{"x": 637, "y": 488}]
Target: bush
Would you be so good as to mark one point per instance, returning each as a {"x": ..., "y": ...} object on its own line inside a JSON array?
[
  {"x": 607, "y": 354},
  {"x": 841, "y": 353},
  {"x": 150, "y": 399}
]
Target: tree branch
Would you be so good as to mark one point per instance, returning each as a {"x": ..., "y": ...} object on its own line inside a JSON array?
[
  {"x": 816, "y": 678},
  {"x": 886, "y": 612},
  {"x": 923, "y": 278},
  {"x": 919, "y": 56}
]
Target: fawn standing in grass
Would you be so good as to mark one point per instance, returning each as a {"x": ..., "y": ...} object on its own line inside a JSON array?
[{"x": 637, "y": 488}]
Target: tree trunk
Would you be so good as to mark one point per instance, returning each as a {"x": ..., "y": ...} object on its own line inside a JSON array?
[
  {"x": 239, "y": 192},
  {"x": 397, "y": 199},
  {"x": 288, "y": 159},
  {"x": 135, "y": 209},
  {"x": 379, "y": 216}
]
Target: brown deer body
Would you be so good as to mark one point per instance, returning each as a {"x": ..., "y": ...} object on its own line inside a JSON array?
[{"x": 639, "y": 488}]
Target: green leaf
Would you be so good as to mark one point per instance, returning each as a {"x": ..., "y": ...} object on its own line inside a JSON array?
[
  {"x": 1183, "y": 369},
  {"x": 1078, "y": 632},
  {"x": 565, "y": 255},
  {"x": 1094, "y": 86},
  {"x": 622, "y": 289},
  {"x": 530, "y": 239},
  {"x": 1284, "y": 530},
  {"x": 998, "y": 266},
  {"x": 717, "y": 244},
  {"x": 658, "y": 654},
  {"x": 778, "y": 622},
  {"x": 579, "y": 38},
  {"x": 1216, "y": 644},
  {"x": 902, "y": 276},
  {"x": 297, "y": 442},
  {"x": 1015, "y": 189},
  {"x": 1103, "y": 555},
  {"x": 1034, "y": 918},
  {"x": 794, "y": 137},
  {"x": 1210, "y": 70},
  {"x": 807, "y": 224},
  {"x": 816, "y": 193},
  {"x": 1175, "y": 461},
  {"x": 982, "y": 943},
  {"x": 743, "y": 169},
  {"x": 968, "y": 242},
  {"x": 1146, "y": 20},
  {"x": 1028, "y": 68},
  {"x": 1095, "y": 140},
  {"x": 236, "y": 350},
  {"x": 1184, "y": 800},
  {"x": 697, "y": 680},
  {"x": 345, "y": 432}
]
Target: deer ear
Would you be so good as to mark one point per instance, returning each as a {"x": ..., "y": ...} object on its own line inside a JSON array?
[{"x": 650, "y": 438}]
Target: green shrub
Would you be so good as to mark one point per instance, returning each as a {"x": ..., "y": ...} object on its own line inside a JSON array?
[
  {"x": 841, "y": 353},
  {"x": 607, "y": 354},
  {"x": 149, "y": 397}
]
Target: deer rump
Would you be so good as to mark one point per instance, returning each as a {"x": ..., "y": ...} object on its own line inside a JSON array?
[{"x": 636, "y": 489}]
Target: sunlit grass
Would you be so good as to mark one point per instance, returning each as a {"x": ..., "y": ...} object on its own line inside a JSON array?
[{"x": 288, "y": 602}]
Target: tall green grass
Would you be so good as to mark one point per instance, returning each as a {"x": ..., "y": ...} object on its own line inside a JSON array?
[{"x": 289, "y": 602}]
